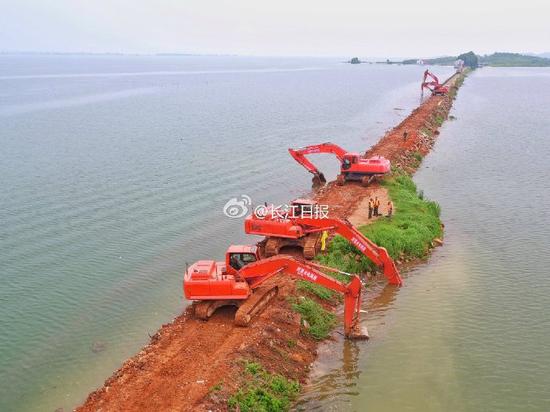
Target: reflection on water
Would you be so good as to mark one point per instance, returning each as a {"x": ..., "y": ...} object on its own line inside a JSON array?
[
  {"x": 470, "y": 330},
  {"x": 337, "y": 368}
]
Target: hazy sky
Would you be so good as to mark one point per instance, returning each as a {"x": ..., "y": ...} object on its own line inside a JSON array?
[{"x": 278, "y": 27}]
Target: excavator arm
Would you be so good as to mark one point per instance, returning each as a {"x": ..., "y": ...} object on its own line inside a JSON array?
[
  {"x": 257, "y": 273},
  {"x": 432, "y": 76},
  {"x": 377, "y": 254},
  {"x": 300, "y": 156},
  {"x": 433, "y": 85}
]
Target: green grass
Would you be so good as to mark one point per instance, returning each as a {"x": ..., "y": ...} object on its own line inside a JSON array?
[
  {"x": 417, "y": 159},
  {"x": 320, "y": 291},
  {"x": 217, "y": 387},
  {"x": 459, "y": 81},
  {"x": 426, "y": 131},
  {"x": 263, "y": 391},
  {"x": 409, "y": 232},
  {"x": 320, "y": 320}
]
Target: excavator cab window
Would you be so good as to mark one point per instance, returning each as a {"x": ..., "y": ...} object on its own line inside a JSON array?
[
  {"x": 239, "y": 260},
  {"x": 348, "y": 161},
  {"x": 302, "y": 209}
]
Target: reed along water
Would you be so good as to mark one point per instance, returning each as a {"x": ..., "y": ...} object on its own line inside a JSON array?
[
  {"x": 470, "y": 330},
  {"x": 114, "y": 172}
]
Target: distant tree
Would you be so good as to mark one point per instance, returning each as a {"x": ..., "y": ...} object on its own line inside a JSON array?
[
  {"x": 500, "y": 59},
  {"x": 470, "y": 59},
  {"x": 355, "y": 60}
]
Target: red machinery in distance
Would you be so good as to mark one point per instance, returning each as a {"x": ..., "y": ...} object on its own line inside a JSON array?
[
  {"x": 305, "y": 231},
  {"x": 216, "y": 284},
  {"x": 353, "y": 166},
  {"x": 433, "y": 85}
]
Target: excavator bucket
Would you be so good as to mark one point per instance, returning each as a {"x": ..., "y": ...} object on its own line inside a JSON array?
[
  {"x": 319, "y": 179},
  {"x": 358, "y": 333}
]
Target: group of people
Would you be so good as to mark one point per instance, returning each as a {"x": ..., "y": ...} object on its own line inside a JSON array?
[{"x": 374, "y": 208}]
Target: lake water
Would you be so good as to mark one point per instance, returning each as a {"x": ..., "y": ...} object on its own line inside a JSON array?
[
  {"x": 114, "y": 171},
  {"x": 470, "y": 331}
]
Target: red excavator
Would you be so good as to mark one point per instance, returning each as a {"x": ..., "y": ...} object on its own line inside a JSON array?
[
  {"x": 281, "y": 232},
  {"x": 304, "y": 230},
  {"x": 353, "y": 166},
  {"x": 433, "y": 85},
  {"x": 238, "y": 282}
]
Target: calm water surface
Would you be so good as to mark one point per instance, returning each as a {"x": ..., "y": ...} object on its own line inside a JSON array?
[
  {"x": 471, "y": 330},
  {"x": 114, "y": 172}
]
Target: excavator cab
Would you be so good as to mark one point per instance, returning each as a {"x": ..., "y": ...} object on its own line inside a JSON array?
[
  {"x": 238, "y": 256},
  {"x": 302, "y": 207},
  {"x": 348, "y": 160}
]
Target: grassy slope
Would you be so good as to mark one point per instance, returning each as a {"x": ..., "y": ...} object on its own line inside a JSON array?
[
  {"x": 263, "y": 391},
  {"x": 409, "y": 233}
]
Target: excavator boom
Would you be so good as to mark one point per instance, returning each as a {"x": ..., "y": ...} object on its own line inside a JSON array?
[
  {"x": 258, "y": 272},
  {"x": 433, "y": 85},
  {"x": 429, "y": 74},
  {"x": 302, "y": 227},
  {"x": 300, "y": 156},
  {"x": 377, "y": 254}
]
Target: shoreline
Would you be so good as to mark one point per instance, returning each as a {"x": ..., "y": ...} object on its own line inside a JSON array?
[{"x": 195, "y": 365}]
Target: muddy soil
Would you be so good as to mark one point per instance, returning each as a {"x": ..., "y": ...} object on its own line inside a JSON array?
[{"x": 187, "y": 358}]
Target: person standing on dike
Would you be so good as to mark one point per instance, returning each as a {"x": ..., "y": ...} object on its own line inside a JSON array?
[
  {"x": 371, "y": 207},
  {"x": 390, "y": 209}
]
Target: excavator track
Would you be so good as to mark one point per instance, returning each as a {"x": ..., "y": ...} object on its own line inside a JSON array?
[
  {"x": 272, "y": 246},
  {"x": 311, "y": 246},
  {"x": 206, "y": 308},
  {"x": 255, "y": 304},
  {"x": 367, "y": 180}
]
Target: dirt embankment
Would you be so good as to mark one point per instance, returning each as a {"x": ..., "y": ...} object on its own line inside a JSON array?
[{"x": 187, "y": 358}]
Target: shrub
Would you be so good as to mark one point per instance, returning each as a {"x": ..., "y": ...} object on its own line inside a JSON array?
[{"x": 264, "y": 391}]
